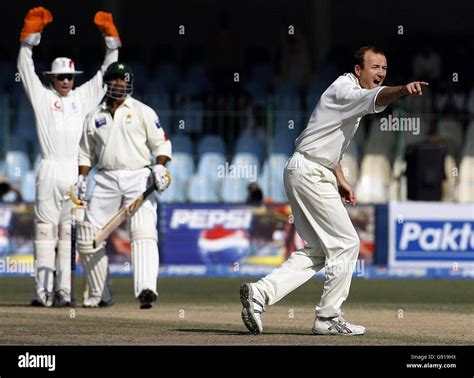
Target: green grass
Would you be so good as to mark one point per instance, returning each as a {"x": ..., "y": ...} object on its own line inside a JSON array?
[
  {"x": 419, "y": 294},
  {"x": 212, "y": 308}
]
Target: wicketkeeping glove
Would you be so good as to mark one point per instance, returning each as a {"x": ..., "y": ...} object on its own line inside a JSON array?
[
  {"x": 162, "y": 177},
  {"x": 35, "y": 21},
  {"x": 105, "y": 23}
]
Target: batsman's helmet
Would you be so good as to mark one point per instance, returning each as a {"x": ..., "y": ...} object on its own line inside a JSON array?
[{"x": 118, "y": 70}]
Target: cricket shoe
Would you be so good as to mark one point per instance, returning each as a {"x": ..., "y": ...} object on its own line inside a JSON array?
[
  {"x": 253, "y": 307},
  {"x": 146, "y": 298},
  {"x": 62, "y": 298},
  {"x": 42, "y": 299},
  {"x": 336, "y": 326},
  {"x": 95, "y": 302}
]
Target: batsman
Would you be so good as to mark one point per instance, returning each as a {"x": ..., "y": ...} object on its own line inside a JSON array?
[
  {"x": 315, "y": 184},
  {"x": 59, "y": 111},
  {"x": 124, "y": 139}
]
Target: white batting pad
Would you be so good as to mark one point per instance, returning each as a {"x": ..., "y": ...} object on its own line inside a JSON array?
[
  {"x": 63, "y": 272},
  {"x": 95, "y": 266},
  {"x": 44, "y": 265},
  {"x": 145, "y": 261}
]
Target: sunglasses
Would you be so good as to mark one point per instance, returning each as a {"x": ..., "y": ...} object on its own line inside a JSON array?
[{"x": 64, "y": 77}]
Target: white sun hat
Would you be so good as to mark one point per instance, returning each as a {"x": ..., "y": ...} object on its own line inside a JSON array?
[{"x": 62, "y": 66}]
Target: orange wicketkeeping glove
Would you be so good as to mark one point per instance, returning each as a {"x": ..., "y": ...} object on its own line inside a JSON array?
[
  {"x": 35, "y": 21},
  {"x": 105, "y": 23}
]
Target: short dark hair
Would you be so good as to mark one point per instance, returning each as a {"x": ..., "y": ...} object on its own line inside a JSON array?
[{"x": 360, "y": 54}]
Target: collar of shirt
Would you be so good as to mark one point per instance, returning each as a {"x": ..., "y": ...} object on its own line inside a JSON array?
[{"x": 353, "y": 78}]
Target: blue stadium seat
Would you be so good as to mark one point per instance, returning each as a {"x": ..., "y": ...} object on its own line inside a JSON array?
[
  {"x": 3, "y": 169},
  {"x": 248, "y": 143},
  {"x": 246, "y": 159},
  {"x": 276, "y": 166},
  {"x": 211, "y": 143},
  {"x": 17, "y": 165},
  {"x": 281, "y": 144},
  {"x": 315, "y": 90},
  {"x": 328, "y": 72},
  {"x": 197, "y": 74},
  {"x": 262, "y": 73},
  {"x": 182, "y": 166},
  {"x": 288, "y": 113},
  {"x": 140, "y": 75},
  {"x": 182, "y": 143},
  {"x": 201, "y": 190},
  {"x": 264, "y": 179},
  {"x": 7, "y": 78},
  {"x": 191, "y": 112},
  {"x": 234, "y": 190},
  {"x": 277, "y": 189},
  {"x": 167, "y": 76},
  {"x": 176, "y": 191},
  {"x": 28, "y": 187},
  {"x": 190, "y": 88},
  {"x": 160, "y": 102},
  {"x": 209, "y": 164},
  {"x": 25, "y": 121},
  {"x": 258, "y": 92},
  {"x": 286, "y": 92}
]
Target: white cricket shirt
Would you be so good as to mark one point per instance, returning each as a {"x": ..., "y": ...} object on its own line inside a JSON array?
[
  {"x": 335, "y": 120},
  {"x": 125, "y": 141},
  {"x": 59, "y": 119}
]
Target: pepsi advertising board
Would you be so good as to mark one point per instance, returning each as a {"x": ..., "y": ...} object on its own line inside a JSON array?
[
  {"x": 223, "y": 234},
  {"x": 432, "y": 235}
]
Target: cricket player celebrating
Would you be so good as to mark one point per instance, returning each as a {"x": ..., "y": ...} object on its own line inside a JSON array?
[
  {"x": 315, "y": 184},
  {"x": 119, "y": 137},
  {"x": 59, "y": 111}
]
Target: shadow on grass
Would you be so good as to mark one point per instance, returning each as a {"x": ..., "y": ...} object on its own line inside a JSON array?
[{"x": 238, "y": 333}]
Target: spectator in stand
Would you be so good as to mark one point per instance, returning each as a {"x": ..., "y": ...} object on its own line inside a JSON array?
[
  {"x": 9, "y": 194},
  {"x": 427, "y": 64},
  {"x": 449, "y": 98},
  {"x": 294, "y": 58},
  {"x": 254, "y": 195}
]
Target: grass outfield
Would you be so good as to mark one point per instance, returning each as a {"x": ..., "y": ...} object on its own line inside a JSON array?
[{"x": 206, "y": 311}]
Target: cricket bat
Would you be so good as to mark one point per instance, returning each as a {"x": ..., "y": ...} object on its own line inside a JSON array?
[{"x": 121, "y": 215}]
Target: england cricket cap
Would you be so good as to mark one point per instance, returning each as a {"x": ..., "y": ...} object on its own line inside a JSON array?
[
  {"x": 118, "y": 69},
  {"x": 62, "y": 66}
]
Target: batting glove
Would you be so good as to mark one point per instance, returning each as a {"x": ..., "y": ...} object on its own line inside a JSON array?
[
  {"x": 162, "y": 177},
  {"x": 81, "y": 188},
  {"x": 35, "y": 21}
]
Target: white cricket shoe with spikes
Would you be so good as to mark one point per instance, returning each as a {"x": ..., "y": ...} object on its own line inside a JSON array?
[
  {"x": 336, "y": 326},
  {"x": 253, "y": 307}
]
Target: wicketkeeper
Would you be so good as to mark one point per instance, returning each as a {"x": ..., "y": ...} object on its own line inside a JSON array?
[
  {"x": 59, "y": 111},
  {"x": 122, "y": 137}
]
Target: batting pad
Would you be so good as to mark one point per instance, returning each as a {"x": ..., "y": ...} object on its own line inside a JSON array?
[
  {"x": 145, "y": 263},
  {"x": 63, "y": 273},
  {"x": 45, "y": 256},
  {"x": 95, "y": 266}
]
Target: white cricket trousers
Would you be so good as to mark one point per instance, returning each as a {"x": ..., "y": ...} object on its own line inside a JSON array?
[
  {"x": 115, "y": 189},
  {"x": 330, "y": 238},
  {"x": 53, "y": 224}
]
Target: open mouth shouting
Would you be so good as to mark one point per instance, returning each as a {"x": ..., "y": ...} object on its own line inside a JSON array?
[{"x": 377, "y": 82}]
